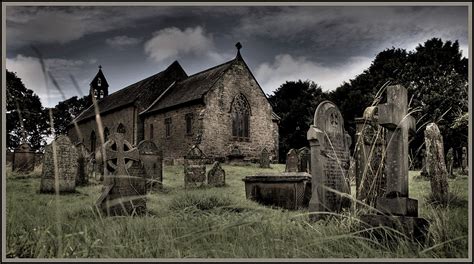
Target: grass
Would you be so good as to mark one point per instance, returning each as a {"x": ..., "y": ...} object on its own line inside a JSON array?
[{"x": 211, "y": 223}]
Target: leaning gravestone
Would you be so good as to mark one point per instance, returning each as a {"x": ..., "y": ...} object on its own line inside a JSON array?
[
  {"x": 369, "y": 158},
  {"x": 82, "y": 177},
  {"x": 123, "y": 193},
  {"x": 23, "y": 158},
  {"x": 152, "y": 159},
  {"x": 59, "y": 166},
  {"x": 464, "y": 160},
  {"x": 265, "y": 159},
  {"x": 435, "y": 165},
  {"x": 450, "y": 162},
  {"x": 329, "y": 160},
  {"x": 304, "y": 156},
  {"x": 292, "y": 161},
  {"x": 194, "y": 168},
  {"x": 216, "y": 175},
  {"x": 395, "y": 209}
]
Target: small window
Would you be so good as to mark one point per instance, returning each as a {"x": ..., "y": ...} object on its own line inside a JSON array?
[
  {"x": 99, "y": 81},
  {"x": 189, "y": 123},
  {"x": 168, "y": 126},
  {"x": 121, "y": 128},
  {"x": 151, "y": 131}
]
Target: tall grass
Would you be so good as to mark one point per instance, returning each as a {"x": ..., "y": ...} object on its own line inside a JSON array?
[{"x": 210, "y": 223}]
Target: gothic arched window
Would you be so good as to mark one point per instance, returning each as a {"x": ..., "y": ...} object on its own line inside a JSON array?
[
  {"x": 93, "y": 140},
  {"x": 106, "y": 134},
  {"x": 240, "y": 114},
  {"x": 99, "y": 81},
  {"x": 121, "y": 128}
]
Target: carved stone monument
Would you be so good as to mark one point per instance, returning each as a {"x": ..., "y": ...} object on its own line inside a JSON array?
[
  {"x": 292, "y": 161},
  {"x": 435, "y": 165},
  {"x": 59, "y": 166},
  {"x": 23, "y": 158},
  {"x": 216, "y": 175},
  {"x": 122, "y": 194},
  {"x": 329, "y": 161},
  {"x": 82, "y": 177},
  {"x": 194, "y": 168},
  {"x": 152, "y": 159},
  {"x": 304, "y": 156},
  {"x": 264, "y": 159},
  {"x": 450, "y": 162},
  {"x": 369, "y": 158},
  {"x": 395, "y": 208},
  {"x": 464, "y": 163}
]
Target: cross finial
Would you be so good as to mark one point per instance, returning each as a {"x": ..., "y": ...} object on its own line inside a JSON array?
[
  {"x": 238, "y": 46},
  {"x": 100, "y": 66}
]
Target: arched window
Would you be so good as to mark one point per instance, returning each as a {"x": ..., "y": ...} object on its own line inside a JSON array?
[
  {"x": 151, "y": 131},
  {"x": 93, "y": 140},
  {"x": 99, "y": 81},
  {"x": 121, "y": 128},
  {"x": 106, "y": 134},
  {"x": 240, "y": 113}
]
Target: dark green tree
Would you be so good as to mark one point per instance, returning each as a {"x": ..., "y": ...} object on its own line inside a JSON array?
[
  {"x": 34, "y": 119},
  {"x": 295, "y": 102},
  {"x": 65, "y": 111}
]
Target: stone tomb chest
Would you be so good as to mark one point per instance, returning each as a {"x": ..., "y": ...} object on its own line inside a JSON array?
[{"x": 289, "y": 190}]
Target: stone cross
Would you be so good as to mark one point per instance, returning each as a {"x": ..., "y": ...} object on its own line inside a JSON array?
[
  {"x": 121, "y": 152},
  {"x": 395, "y": 118}
]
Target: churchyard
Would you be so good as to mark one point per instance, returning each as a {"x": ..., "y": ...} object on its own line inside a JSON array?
[{"x": 212, "y": 222}]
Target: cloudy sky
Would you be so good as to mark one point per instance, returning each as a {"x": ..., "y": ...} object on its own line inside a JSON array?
[{"x": 326, "y": 44}]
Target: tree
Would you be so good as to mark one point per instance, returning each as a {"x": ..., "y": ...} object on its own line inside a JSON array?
[
  {"x": 295, "y": 103},
  {"x": 25, "y": 103},
  {"x": 64, "y": 112}
]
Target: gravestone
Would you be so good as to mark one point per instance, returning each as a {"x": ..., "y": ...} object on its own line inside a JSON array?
[
  {"x": 59, "y": 166},
  {"x": 194, "y": 168},
  {"x": 152, "y": 159},
  {"x": 450, "y": 162},
  {"x": 123, "y": 192},
  {"x": 435, "y": 164},
  {"x": 464, "y": 163},
  {"x": 235, "y": 155},
  {"x": 329, "y": 161},
  {"x": 395, "y": 209},
  {"x": 304, "y": 156},
  {"x": 423, "y": 172},
  {"x": 216, "y": 175},
  {"x": 292, "y": 161},
  {"x": 264, "y": 159},
  {"x": 23, "y": 158},
  {"x": 82, "y": 177},
  {"x": 369, "y": 158},
  {"x": 99, "y": 168}
]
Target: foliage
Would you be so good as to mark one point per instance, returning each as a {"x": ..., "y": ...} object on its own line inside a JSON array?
[
  {"x": 23, "y": 102},
  {"x": 193, "y": 223},
  {"x": 295, "y": 102},
  {"x": 65, "y": 111}
]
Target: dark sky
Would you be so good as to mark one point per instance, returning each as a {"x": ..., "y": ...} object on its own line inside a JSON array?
[{"x": 326, "y": 44}]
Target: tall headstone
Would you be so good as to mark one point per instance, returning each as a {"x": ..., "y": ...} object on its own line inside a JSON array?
[
  {"x": 152, "y": 159},
  {"x": 450, "y": 162},
  {"x": 395, "y": 208},
  {"x": 435, "y": 164},
  {"x": 369, "y": 156},
  {"x": 59, "y": 166},
  {"x": 216, "y": 175},
  {"x": 464, "y": 163},
  {"x": 82, "y": 177},
  {"x": 292, "y": 161},
  {"x": 23, "y": 158},
  {"x": 264, "y": 158},
  {"x": 304, "y": 156},
  {"x": 122, "y": 193},
  {"x": 329, "y": 160},
  {"x": 194, "y": 168}
]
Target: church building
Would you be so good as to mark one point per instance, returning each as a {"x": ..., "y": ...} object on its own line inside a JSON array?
[{"x": 222, "y": 109}]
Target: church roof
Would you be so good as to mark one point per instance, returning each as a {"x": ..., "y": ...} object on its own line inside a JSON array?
[
  {"x": 100, "y": 75},
  {"x": 142, "y": 93},
  {"x": 190, "y": 89}
]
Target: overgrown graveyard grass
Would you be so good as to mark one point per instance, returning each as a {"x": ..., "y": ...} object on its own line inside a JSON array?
[{"x": 211, "y": 223}]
